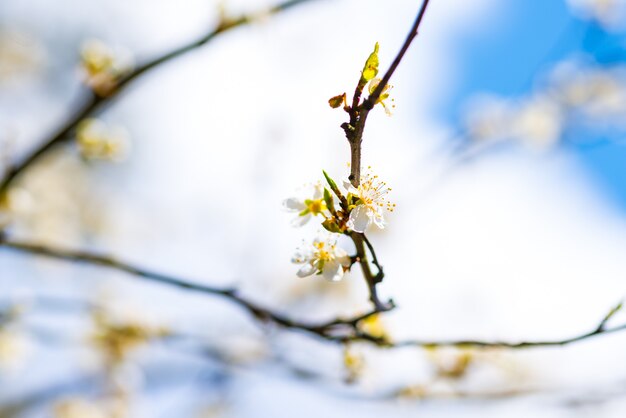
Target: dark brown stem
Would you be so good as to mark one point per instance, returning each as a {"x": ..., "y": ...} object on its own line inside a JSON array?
[
  {"x": 381, "y": 274},
  {"x": 371, "y": 279},
  {"x": 359, "y": 111},
  {"x": 355, "y": 162},
  {"x": 93, "y": 103},
  {"x": 371, "y": 100},
  {"x": 328, "y": 330},
  {"x": 354, "y": 129},
  {"x": 336, "y": 330}
]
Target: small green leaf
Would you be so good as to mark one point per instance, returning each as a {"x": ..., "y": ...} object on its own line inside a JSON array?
[
  {"x": 331, "y": 226},
  {"x": 370, "y": 70},
  {"x": 337, "y": 101},
  {"x": 328, "y": 199},
  {"x": 330, "y": 181}
]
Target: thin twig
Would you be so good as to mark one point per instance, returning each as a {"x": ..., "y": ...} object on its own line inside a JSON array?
[
  {"x": 336, "y": 330},
  {"x": 504, "y": 344},
  {"x": 354, "y": 133},
  {"x": 369, "y": 102},
  {"x": 381, "y": 274},
  {"x": 359, "y": 112},
  {"x": 93, "y": 103},
  {"x": 370, "y": 278}
]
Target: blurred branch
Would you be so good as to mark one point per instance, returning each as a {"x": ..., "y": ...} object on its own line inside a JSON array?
[
  {"x": 21, "y": 406},
  {"x": 94, "y": 103},
  {"x": 336, "y": 329},
  {"x": 339, "y": 330}
]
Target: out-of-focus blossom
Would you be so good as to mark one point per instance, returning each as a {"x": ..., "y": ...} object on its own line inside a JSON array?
[
  {"x": 371, "y": 204},
  {"x": 575, "y": 94},
  {"x": 353, "y": 362},
  {"x": 323, "y": 257},
  {"x": 13, "y": 348},
  {"x": 538, "y": 123},
  {"x": 609, "y": 13},
  {"x": 116, "y": 337},
  {"x": 13, "y": 344},
  {"x": 488, "y": 119},
  {"x": 55, "y": 202},
  {"x": 79, "y": 408},
  {"x": 598, "y": 94},
  {"x": 15, "y": 203},
  {"x": 451, "y": 362},
  {"x": 374, "y": 326},
  {"x": 97, "y": 141},
  {"x": 309, "y": 205},
  {"x": 103, "y": 66},
  {"x": 19, "y": 55}
]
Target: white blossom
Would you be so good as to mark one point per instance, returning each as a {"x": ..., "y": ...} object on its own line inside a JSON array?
[
  {"x": 371, "y": 204},
  {"x": 310, "y": 205},
  {"x": 322, "y": 257}
]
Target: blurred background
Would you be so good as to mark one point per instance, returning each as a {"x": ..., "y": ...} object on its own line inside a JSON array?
[{"x": 504, "y": 152}]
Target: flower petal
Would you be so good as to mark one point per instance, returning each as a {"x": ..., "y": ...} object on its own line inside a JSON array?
[
  {"x": 301, "y": 220},
  {"x": 332, "y": 271},
  {"x": 342, "y": 257},
  {"x": 306, "y": 270},
  {"x": 349, "y": 187},
  {"x": 317, "y": 191},
  {"x": 299, "y": 258},
  {"x": 359, "y": 219},
  {"x": 379, "y": 221},
  {"x": 294, "y": 204}
]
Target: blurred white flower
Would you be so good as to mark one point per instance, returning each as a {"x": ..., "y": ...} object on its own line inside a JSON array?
[
  {"x": 17, "y": 202},
  {"x": 13, "y": 348},
  {"x": 20, "y": 55},
  {"x": 609, "y": 13},
  {"x": 104, "y": 66},
  {"x": 372, "y": 202},
  {"x": 538, "y": 123},
  {"x": 118, "y": 333},
  {"x": 487, "y": 119},
  {"x": 312, "y": 204},
  {"x": 97, "y": 141},
  {"x": 598, "y": 93},
  {"x": 78, "y": 408},
  {"x": 322, "y": 257}
]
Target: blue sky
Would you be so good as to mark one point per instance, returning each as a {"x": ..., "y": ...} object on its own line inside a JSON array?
[{"x": 522, "y": 42}]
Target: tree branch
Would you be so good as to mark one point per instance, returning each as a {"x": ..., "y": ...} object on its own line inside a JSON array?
[
  {"x": 340, "y": 330},
  {"x": 93, "y": 103},
  {"x": 369, "y": 102},
  {"x": 371, "y": 279},
  {"x": 354, "y": 129},
  {"x": 359, "y": 112},
  {"x": 335, "y": 329}
]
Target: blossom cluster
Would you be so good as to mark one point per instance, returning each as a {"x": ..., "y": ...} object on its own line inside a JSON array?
[
  {"x": 97, "y": 141},
  {"x": 352, "y": 210},
  {"x": 610, "y": 14},
  {"x": 104, "y": 66},
  {"x": 575, "y": 95}
]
